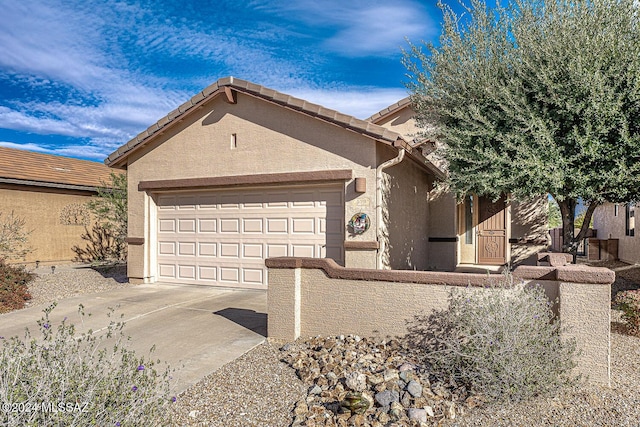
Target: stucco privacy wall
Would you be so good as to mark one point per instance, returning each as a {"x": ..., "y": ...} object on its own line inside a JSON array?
[
  {"x": 268, "y": 139},
  {"x": 309, "y": 297},
  {"x": 612, "y": 226},
  {"x": 53, "y": 235}
]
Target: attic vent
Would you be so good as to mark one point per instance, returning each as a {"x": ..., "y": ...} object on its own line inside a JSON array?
[{"x": 62, "y": 169}]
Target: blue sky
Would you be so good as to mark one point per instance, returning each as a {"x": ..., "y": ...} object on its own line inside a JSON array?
[{"x": 80, "y": 78}]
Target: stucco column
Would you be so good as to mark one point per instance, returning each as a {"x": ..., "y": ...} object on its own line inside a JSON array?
[
  {"x": 585, "y": 315},
  {"x": 283, "y": 302}
]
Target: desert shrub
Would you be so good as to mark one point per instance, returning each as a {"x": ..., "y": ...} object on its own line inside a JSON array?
[
  {"x": 62, "y": 378},
  {"x": 13, "y": 287},
  {"x": 14, "y": 239},
  {"x": 629, "y": 303},
  {"x": 501, "y": 342}
]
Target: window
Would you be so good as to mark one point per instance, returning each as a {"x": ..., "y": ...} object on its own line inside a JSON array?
[
  {"x": 629, "y": 220},
  {"x": 468, "y": 221}
]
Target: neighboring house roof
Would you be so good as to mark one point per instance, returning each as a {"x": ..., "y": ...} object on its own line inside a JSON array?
[
  {"x": 391, "y": 109},
  {"x": 227, "y": 85},
  {"x": 46, "y": 170}
]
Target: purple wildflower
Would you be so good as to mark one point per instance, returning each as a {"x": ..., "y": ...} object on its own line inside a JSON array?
[
  {"x": 134, "y": 388},
  {"x": 46, "y": 326},
  {"x": 118, "y": 424},
  {"x": 173, "y": 399},
  {"x": 141, "y": 368}
]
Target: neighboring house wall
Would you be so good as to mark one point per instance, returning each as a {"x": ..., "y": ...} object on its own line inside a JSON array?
[
  {"x": 611, "y": 223},
  {"x": 55, "y": 217},
  {"x": 529, "y": 230},
  {"x": 270, "y": 139}
]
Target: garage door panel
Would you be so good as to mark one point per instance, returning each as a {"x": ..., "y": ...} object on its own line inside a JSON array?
[
  {"x": 254, "y": 276},
  {"x": 252, "y": 250},
  {"x": 167, "y": 248},
  {"x": 298, "y": 250},
  {"x": 229, "y": 250},
  {"x": 207, "y": 273},
  {"x": 186, "y": 225},
  {"x": 277, "y": 225},
  {"x": 167, "y": 225},
  {"x": 252, "y": 225},
  {"x": 207, "y": 225},
  {"x": 226, "y": 237},
  {"x": 276, "y": 250},
  {"x": 207, "y": 249},
  {"x": 229, "y": 225},
  {"x": 230, "y": 274},
  {"x": 186, "y": 248},
  {"x": 303, "y": 225},
  {"x": 167, "y": 271}
]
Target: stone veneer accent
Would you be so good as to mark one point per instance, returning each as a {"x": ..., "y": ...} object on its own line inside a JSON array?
[{"x": 308, "y": 297}]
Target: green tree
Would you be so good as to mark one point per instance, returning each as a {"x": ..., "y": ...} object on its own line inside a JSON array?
[
  {"x": 554, "y": 216},
  {"x": 110, "y": 209},
  {"x": 533, "y": 97}
]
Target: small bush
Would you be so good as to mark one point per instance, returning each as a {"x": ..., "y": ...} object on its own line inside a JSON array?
[
  {"x": 629, "y": 303},
  {"x": 91, "y": 379},
  {"x": 14, "y": 239},
  {"x": 13, "y": 287},
  {"x": 500, "y": 342}
]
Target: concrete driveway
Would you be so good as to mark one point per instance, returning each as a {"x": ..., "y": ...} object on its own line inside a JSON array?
[{"x": 196, "y": 329}]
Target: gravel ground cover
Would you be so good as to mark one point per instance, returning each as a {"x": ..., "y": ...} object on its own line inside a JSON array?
[{"x": 71, "y": 280}]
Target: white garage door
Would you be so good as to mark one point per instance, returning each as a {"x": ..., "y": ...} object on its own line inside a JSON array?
[{"x": 223, "y": 237}]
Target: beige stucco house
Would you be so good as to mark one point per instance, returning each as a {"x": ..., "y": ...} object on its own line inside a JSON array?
[
  {"x": 241, "y": 173},
  {"x": 617, "y": 221},
  {"x": 50, "y": 193}
]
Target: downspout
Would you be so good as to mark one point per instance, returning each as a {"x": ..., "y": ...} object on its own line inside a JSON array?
[{"x": 379, "y": 169}]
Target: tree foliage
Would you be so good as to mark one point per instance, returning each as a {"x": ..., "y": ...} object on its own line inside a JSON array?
[
  {"x": 110, "y": 209},
  {"x": 533, "y": 97}
]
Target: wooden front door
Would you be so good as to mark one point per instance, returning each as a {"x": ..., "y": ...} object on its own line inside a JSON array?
[{"x": 492, "y": 231}]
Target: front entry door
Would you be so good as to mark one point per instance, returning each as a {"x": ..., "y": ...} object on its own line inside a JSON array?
[{"x": 492, "y": 231}]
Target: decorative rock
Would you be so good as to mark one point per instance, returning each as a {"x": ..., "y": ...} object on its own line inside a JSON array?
[
  {"x": 418, "y": 414},
  {"x": 414, "y": 388},
  {"x": 355, "y": 403},
  {"x": 429, "y": 411},
  {"x": 405, "y": 399},
  {"x": 407, "y": 376},
  {"x": 387, "y": 397},
  {"x": 315, "y": 390},
  {"x": 390, "y": 375},
  {"x": 375, "y": 379},
  {"x": 396, "y": 411},
  {"x": 407, "y": 367},
  {"x": 356, "y": 381}
]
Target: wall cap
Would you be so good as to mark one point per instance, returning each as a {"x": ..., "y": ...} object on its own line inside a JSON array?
[{"x": 570, "y": 274}]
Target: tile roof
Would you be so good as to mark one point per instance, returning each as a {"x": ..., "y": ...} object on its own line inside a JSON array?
[
  {"x": 390, "y": 109},
  {"x": 364, "y": 127},
  {"x": 49, "y": 170}
]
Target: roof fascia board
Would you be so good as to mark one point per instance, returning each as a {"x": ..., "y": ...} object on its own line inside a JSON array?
[{"x": 48, "y": 184}]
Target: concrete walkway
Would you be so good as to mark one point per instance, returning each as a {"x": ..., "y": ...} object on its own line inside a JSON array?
[{"x": 196, "y": 329}]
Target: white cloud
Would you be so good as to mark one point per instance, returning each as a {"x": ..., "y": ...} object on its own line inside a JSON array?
[
  {"x": 360, "y": 102},
  {"x": 360, "y": 27}
]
